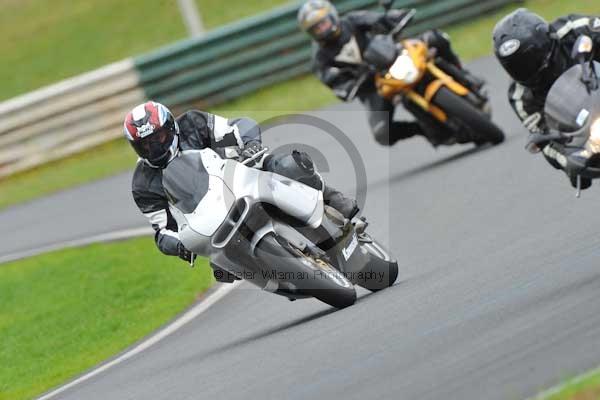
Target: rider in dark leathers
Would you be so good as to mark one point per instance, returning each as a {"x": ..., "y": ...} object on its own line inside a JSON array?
[
  {"x": 237, "y": 138},
  {"x": 535, "y": 54},
  {"x": 340, "y": 44}
]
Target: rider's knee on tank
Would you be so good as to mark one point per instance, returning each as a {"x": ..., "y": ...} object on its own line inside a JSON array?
[{"x": 297, "y": 166}]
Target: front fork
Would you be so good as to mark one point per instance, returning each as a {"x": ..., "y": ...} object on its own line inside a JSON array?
[
  {"x": 441, "y": 79},
  {"x": 476, "y": 94},
  {"x": 473, "y": 83},
  {"x": 451, "y": 77}
]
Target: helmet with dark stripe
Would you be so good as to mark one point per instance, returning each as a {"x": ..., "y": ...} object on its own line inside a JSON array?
[{"x": 153, "y": 133}]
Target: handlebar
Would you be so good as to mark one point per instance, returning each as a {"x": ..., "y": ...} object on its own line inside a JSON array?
[
  {"x": 255, "y": 157},
  {"x": 539, "y": 140},
  {"x": 403, "y": 22},
  {"x": 367, "y": 69}
]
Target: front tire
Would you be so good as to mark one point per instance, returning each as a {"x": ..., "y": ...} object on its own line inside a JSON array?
[
  {"x": 481, "y": 128},
  {"x": 383, "y": 264},
  {"x": 328, "y": 284}
]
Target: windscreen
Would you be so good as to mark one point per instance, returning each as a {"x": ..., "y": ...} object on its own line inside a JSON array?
[
  {"x": 568, "y": 104},
  {"x": 381, "y": 52},
  {"x": 185, "y": 181}
]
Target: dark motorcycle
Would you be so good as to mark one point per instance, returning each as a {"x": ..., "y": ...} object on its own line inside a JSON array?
[{"x": 573, "y": 117}]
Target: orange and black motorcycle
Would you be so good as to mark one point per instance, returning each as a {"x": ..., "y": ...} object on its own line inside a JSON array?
[{"x": 408, "y": 72}]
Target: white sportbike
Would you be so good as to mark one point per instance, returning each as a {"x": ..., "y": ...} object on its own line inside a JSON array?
[{"x": 272, "y": 231}]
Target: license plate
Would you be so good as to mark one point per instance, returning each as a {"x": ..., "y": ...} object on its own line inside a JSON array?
[{"x": 349, "y": 250}]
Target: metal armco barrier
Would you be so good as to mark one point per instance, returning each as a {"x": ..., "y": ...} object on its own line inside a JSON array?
[
  {"x": 224, "y": 64},
  {"x": 67, "y": 117}
]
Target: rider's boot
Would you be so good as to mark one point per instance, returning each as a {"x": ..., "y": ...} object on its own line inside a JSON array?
[{"x": 400, "y": 130}]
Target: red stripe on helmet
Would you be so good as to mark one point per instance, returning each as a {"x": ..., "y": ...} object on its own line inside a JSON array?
[
  {"x": 154, "y": 114},
  {"x": 130, "y": 127}
]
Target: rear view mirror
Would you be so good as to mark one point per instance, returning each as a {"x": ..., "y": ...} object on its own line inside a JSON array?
[
  {"x": 381, "y": 52},
  {"x": 386, "y": 4},
  {"x": 583, "y": 48}
]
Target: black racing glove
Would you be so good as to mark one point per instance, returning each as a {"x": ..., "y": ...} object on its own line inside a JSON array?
[
  {"x": 185, "y": 254},
  {"x": 250, "y": 150}
]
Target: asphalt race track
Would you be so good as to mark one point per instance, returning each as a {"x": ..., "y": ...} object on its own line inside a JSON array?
[{"x": 497, "y": 296}]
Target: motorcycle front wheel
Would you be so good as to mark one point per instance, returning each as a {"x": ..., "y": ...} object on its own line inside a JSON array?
[
  {"x": 382, "y": 266},
  {"x": 482, "y": 129},
  {"x": 308, "y": 276}
]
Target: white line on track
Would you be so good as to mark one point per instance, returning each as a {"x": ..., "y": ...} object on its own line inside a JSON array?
[
  {"x": 188, "y": 316},
  {"x": 104, "y": 237}
]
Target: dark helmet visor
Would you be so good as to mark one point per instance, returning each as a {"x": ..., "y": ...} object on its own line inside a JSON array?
[
  {"x": 527, "y": 70},
  {"x": 155, "y": 147},
  {"x": 324, "y": 29}
]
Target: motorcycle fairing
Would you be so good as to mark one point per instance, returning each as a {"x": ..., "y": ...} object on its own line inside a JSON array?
[
  {"x": 569, "y": 107},
  {"x": 227, "y": 182}
]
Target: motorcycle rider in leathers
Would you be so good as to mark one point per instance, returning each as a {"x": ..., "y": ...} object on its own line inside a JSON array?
[
  {"x": 340, "y": 42},
  {"x": 157, "y": 137},
  {"x": 535, "y": 54}
]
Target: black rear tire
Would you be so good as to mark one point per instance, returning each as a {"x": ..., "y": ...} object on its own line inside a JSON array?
[
  {"x": 330, "y": 286},
  {"x": 482, "y": 128}
]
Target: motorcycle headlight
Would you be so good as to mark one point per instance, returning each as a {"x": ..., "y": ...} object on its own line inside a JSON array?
[
  {"x": 404, "y": 69},
  {"x": 593, "y": 142}
]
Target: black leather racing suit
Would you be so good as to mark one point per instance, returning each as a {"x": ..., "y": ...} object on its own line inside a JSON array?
[
  {"x": 336, "y": 62},
  {"x": 228, "y": 138},
  {"x": 528, "y": 102}
]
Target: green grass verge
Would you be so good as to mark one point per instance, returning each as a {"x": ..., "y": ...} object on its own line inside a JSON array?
[
  {"x": 470, "y": 40},
  {"x": 587, "y": 388},
  {"x": 46, "y": 41},
  {"x": 64, "y": 312}
]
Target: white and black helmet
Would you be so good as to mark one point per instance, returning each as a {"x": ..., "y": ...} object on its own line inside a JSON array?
[{"x": 153, "y": 133}]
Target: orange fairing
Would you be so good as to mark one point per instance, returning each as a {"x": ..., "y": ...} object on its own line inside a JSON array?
[
  {"x": 418, "y": 51},
  {"x": 442, "y": 80},
  {"x": 388, "y": 86},
  {"x": 408, "y": 70}
]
